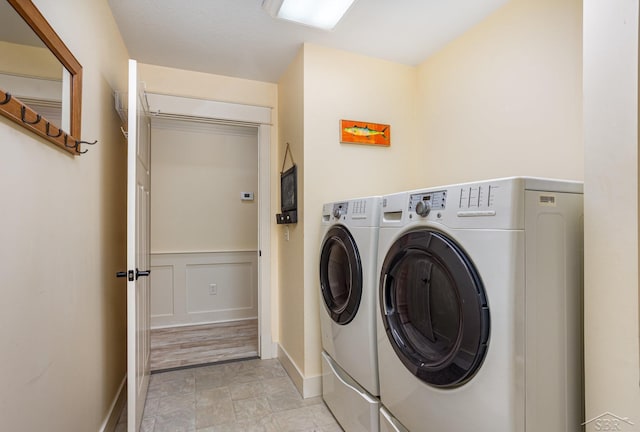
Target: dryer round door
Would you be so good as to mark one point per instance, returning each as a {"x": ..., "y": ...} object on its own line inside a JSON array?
[
  {"x": 340, "y": 275},
  {"x": 434, "y": 308}
]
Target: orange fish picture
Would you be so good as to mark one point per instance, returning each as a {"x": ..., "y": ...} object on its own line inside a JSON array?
[{"x": 357, "y": 132}]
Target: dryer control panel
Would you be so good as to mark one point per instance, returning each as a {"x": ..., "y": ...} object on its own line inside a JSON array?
[{"x": 425, "y": 201}]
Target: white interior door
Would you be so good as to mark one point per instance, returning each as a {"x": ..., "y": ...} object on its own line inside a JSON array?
[{"x": 138, "y": 305}]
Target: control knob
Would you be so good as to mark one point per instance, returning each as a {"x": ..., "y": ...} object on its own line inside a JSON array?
[
  {"x": 423, "y": 208},
  {"x": 338, "y": 212}
]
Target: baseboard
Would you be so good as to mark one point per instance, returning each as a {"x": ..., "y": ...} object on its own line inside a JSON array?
[
  {"x": 110, "y": 423},
  {"x": 159, "y": 327},
  {"x": 307, "y": 386}
]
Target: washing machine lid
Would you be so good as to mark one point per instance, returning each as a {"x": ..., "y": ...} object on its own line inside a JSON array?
[
  {"x": 434, "y": 308},
  {"x": 340, "y": 275}
]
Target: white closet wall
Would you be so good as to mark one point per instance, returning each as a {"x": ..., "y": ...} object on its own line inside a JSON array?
[{"x": 204, "y": 237}]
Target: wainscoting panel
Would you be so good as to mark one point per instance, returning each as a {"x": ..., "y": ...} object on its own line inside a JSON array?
[
  {"x": 162, "y": 291},
  {"x": 204, "y": 287}
]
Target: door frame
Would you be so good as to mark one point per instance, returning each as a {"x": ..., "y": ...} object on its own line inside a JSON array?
[{"x": 242, "y": 115}]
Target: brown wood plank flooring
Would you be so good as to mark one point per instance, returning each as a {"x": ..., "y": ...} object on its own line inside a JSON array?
[{"x": 176, "y": 347}]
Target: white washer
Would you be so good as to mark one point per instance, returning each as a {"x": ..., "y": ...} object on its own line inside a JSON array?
[
  {"x": 479, "y": 306},
  {"x": 348, "y": 287}
]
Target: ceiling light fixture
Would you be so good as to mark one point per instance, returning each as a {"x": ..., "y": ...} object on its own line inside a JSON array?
[{"x": 323, "y": 14}]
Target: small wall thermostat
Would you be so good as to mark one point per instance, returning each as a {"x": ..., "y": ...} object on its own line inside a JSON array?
[{"x": 246, "y": 196}]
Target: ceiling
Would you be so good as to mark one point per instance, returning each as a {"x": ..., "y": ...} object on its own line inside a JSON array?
[{"x": 238, "y": 38}]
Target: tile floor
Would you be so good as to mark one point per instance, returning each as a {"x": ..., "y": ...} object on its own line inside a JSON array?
[{"x": 243, "y": 396}]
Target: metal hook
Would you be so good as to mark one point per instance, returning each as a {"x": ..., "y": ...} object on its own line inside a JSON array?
[
  {"x": 78, "y": 149},
  {"x": 47, "y": 130},
  {"x": 78, "y": 142},
  {"x": 66, "y": 137},
  {"x": 23, "y": 111},
  {"x": 7, "y": 98}
]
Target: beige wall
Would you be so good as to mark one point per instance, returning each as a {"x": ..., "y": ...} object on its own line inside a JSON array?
[
  {"x": 505, "y": 98},
  {"x": 321, "y": 87},
  {"x": 340, "y": 85},
  {"x": 611, "y": 209},
  {"x": 164, "y": 80},
  {"x": 198, "y": 172},
  {"x": 290, "y": 258},
  {"x": 62, "y": 329},
  {"x": 179, "y": 82},
  {"x": 30, "y": 61}
]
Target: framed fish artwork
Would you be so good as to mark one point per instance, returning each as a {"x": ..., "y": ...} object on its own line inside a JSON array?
[{"x": 358, "y": 132}]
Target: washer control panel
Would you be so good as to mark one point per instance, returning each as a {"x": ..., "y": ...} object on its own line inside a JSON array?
[
  {"x": 340, "y": 209},
  {"x": 425, "y": 201}
]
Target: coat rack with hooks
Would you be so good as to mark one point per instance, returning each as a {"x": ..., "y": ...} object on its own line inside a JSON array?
[{"x": 20, "y": 113}]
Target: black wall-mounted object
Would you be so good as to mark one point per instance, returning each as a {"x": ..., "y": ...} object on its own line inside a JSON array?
[{"x": 288, "y": 192}]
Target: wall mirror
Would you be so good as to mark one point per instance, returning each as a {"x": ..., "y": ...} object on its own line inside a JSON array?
[{"x": 40, "y": 79}]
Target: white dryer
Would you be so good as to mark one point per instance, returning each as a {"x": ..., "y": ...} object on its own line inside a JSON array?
[
  {"x": 348, "y": 287},
  {"x": 480, "y": 300}
]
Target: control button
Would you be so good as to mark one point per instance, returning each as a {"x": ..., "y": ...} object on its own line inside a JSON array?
[{"x": 423, "y": 208}]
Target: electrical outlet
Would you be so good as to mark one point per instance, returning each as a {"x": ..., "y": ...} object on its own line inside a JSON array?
[{"x": 213, "y": 289}]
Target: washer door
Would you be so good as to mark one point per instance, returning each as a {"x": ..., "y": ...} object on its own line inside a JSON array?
[
  {"x": 340, "y": 275},
  {"x": 434, "y": 308}
]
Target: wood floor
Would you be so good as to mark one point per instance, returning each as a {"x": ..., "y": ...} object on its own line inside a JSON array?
[{"x": 177, "y": 347}]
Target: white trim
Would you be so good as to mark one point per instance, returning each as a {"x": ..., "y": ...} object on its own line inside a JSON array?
[
  {"x": 201, "y": 323},
  {"x": 307, "y": 386},
  {"x": 220, "y": 251},
  {"x": 266, "y": 344},
  {"x": 204, "y": 108},
  {"x": 202, "y": 126},
  {"x": 115, "y": 410},
  {"x": 198, "y": 110}
]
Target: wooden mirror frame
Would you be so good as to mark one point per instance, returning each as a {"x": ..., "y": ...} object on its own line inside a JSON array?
[{"x": 25, "y": 116}]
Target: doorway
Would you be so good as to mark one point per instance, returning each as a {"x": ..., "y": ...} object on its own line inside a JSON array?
[{"x": 207, "y": 235}]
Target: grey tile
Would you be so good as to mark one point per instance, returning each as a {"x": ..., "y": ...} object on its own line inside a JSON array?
[
  {"x": 165, "y": 387},
  {"x": 213, "y": 380},
  {"x": 295, "y": 420},
  {"x": 176, "y": 403},
  {"x": 174, "y": 375},
  {"x": 246, "y": 390},
  {"x": 148, "y": 424},
  {"x": 209, "y": 397},
  {"x": 151, "y": 407},
  {"x": 177, "y": 425},
  {"x": 214, "y": 407},
  {"x": 176, "y": 411},
  {"x": 283, "y": 395},
  {"x": 270, "y": 369},
  {"x": 265, "y": 424},
  {"x": 251, "y": 408},
  {"x": 308, "y": 418},
  {"x": 246, "y": 396},
  {"x": 331, "y": 428},
  {"x": 280, "y": 385},
  {"x": 321, "y": 415}
]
